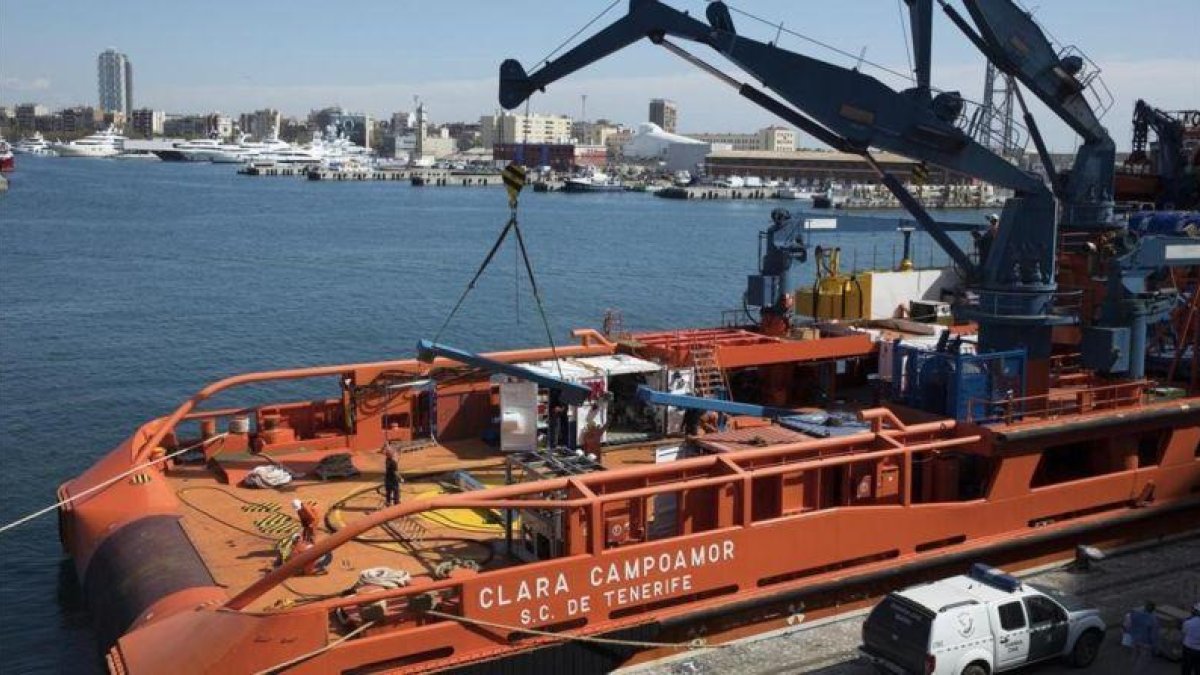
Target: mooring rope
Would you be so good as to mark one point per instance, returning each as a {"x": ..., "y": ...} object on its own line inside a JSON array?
[
  {"x": 698, "y": 643},
  {"x": 316, "y": 652},
  {"x": 110, "y": 481}
]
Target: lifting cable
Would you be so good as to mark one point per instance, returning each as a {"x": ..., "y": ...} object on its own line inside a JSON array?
[
  {"x": 904, "y": 36},
  {"x": 855, "y": 57},
  {"x": 514, "y": 181},
  {"x": 698, "y": 643},
  {"x": 110, "y": 481},
  {"x": 564, "y": 43}
]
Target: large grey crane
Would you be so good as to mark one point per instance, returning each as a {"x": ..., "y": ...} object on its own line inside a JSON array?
[{"x": 1013, "y": 289}]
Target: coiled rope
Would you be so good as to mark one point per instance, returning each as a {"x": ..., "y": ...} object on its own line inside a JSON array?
[{"x": 110, "y": 481}]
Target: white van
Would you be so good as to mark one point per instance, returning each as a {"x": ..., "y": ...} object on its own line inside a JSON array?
[{"x": 977, "y": 624}]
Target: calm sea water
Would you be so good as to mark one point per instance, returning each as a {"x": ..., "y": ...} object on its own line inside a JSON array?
[{"x": 127, "y": 286}]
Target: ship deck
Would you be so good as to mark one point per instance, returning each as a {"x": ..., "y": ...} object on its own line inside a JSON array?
[{"x": 237, "y": 531}]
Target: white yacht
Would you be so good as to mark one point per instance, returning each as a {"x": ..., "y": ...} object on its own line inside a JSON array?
[
  {"x": 107, "y": 143},
  {"x": 234, "y": 153},
  {"x": 33, "y": 145},
  {"x": 199, "y": 150},
  {"x": 138, "y": 155},
  {"x": 293, "y": 155},
  {"x": 253, "y": 151}
]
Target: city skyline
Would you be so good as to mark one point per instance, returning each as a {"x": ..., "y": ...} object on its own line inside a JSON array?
[{"x": 366, "y": 61}]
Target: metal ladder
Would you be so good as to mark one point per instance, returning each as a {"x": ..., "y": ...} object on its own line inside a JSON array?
[
  {"x": 710, "y": 379},
  {"x": 408, "y": 529}
]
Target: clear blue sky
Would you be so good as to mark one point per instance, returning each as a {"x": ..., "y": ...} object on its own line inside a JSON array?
[{"x": 374, "y": 55}]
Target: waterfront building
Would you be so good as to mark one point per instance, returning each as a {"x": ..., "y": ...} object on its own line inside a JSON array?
[
  {"x": 403, "y": 122},
  {"x": 185, "y": 126},
  {"x": 771, "y": 139},
  {"x": 805, "y": 166},
  {"x": 466, "y": 135},
  {"x": 777, "y": 139},
  {"x": 27, "y": 115},
  {"x": 430, "y": 144},
  {"x": 737, "y": 141},
  {"x": 112, "y": 118},
  {"x": 115, "y": 79},
  {"x": 147, "y": 123},
  {"x": 78, "y": 119},
  {"x": 355, "y": 126},
  {"x": 216, "y": 124},
  {"x": 536, "y": 129},
  {"x": 557, "y": 156},
  {"x": 593, "y": 133},
  {"x": 591, "y": 155},
  {"x": 198, "y": 126},
  {"x": 260, "y": 124},
  {"x": 438, "y": 145},
  {"x": 664, "y": 113},
  {"x": 294, "y": 130},
  {"x": 615, "y": 143}
]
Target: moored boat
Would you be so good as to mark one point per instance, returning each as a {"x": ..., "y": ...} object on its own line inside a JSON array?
[
  {"x": 107, "y": 143},
  {"x": 7, "y": 163},
  {"x": 593, "y": 182},
  {"x": 33, "y": 145}
]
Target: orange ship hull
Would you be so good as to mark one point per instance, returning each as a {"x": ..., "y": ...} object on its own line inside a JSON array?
[{"x": 764, "y": 531}]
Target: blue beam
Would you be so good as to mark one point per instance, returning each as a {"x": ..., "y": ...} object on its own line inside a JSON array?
[
  {"x": 654, "y": 397},
  {"x": 571, "y": 393}
]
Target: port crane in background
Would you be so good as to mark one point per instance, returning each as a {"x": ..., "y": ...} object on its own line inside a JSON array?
[
  {"x": 1170, "y": 176},
  {"x": 994, "y": 124},
  {"x": 1012, "y": 294}
]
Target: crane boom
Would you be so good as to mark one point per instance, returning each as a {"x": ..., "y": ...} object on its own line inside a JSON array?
[
  {"x": 1011, "y": 40},
  {"x": 855, "y": 112}
]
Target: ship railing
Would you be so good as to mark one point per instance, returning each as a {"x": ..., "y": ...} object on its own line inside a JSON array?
[
  {"x": 1067, "y": 369},
  {"x": 156, "y": 432},
  {"x": 735, "y": 318},
  {"x": 594, "y": 499},
  {"x": 1054, "y": 405}
]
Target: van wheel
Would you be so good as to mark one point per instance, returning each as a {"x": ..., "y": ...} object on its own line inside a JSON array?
[
  {"x": 1087, "y": 647},
  {"x": 975, "y": 669}
]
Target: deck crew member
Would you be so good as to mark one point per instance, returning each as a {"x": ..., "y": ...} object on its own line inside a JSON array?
[
  {"x": 391, "y": 479},
  {"x": 984, "y": 240},
  {"x": 558, "y": 423},
  {"x": 1191, "y": 643},
  {"x": 309, "y": 514}
]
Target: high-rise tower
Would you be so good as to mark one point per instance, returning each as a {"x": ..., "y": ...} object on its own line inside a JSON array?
[{"x": 115, "y": 77}]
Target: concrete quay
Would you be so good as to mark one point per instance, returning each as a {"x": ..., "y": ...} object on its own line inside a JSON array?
[
  {"x": 710, "y": 192},
  {"x": 454, "y": 179},
  {"x": 416, "y": 177},
  {"x": 1166, "y": 573}
]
